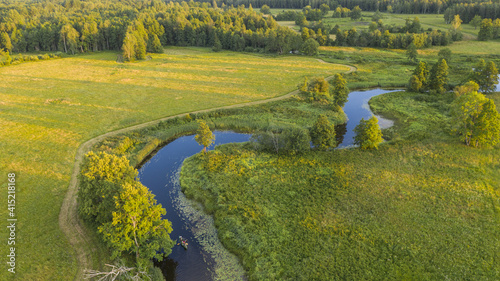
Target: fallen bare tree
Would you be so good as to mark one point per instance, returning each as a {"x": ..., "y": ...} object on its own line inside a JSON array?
[{"x": 115, "y": 272}]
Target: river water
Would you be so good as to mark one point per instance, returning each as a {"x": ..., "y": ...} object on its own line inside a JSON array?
[{"x": 206, "y": 258}]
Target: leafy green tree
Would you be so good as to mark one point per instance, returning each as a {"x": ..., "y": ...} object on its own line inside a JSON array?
[
  {"x": 69, "y": 36},
  {"x": 129, "y": 46},
  {"x": 439, "y": 77},
  {"x": 476, "y": 21},
  {"x": 456, "y": 22},
  {"x": 368, "y": 133},
  {"x": 5, "y": 43},
  {"x": 204, "y": 136},
  {"x": 137, "y": 225},
  {"x": 486, "y": 76},
  {"x": 323, "y": 133},
  {"x": 265, "y": 9},
  {"x": 476, "y": 120},
  {"x": 296, "y": 140},
  {"x": 324, "y": 9},
  {"x": 339, "y": 90},
  {"x": 445, "y": 53},
  {"x": 355, "y": 13},
  {"x": 485, "y": 30},
  {"x": 411, "y": 52},
  {"x": 101, "y": 178},
  {"x": 415, "y": 84},
  {"x": 310, "y": 47},
  {"x": 490, "y": 78},
  {"x": 418, "y": 81},
  {"x": 468, "y": 87},
  {"x": 317, "y": 89}
]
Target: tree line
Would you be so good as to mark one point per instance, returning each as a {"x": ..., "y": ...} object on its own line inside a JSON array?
[
  {"x": 467, "y": 11},
  {"x": 391, "y": 6}
]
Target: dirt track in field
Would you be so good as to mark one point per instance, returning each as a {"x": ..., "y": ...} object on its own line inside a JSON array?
[{"x": 69, "y": 221}]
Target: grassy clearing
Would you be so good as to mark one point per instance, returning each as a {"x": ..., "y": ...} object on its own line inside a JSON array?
[
  {"x": 423, "y": 206},
  {"x": 48, "y": 108},
  {"x": 390, "y": 67}
]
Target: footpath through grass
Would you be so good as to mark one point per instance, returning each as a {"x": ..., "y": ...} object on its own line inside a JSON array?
[
  {"x": 422, "y": 207},
  {"x": 48, "y": 108}
]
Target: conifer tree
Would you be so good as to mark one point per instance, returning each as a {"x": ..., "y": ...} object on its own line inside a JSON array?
[
  {"x": 418, "y": 81},
  {"x": 411, "y": 52},
  {"x": 439, "y": 77}
]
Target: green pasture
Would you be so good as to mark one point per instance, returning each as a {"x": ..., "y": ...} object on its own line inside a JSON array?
[
  {"x": 427, "y": 21},
  {"x": 48, "y": 108}
]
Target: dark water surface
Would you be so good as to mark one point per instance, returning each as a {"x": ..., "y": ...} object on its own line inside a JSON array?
[
  {"x": 206, "y": 257},
  {"x": 160, "y": 175},
  {"x": 356, "y": 108}
]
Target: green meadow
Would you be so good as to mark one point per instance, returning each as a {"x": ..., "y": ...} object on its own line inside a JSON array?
[
  {"x": 48, "y": 108},
  {"x": 422, "y": 207}
]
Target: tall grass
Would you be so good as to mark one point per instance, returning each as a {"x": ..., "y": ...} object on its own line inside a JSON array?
[{"x": 423, "y": 206}]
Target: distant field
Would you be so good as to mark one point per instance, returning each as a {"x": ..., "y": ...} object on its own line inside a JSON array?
[
  {"x": 48, "y": 108},
  {"x": 426, "y": 20}
]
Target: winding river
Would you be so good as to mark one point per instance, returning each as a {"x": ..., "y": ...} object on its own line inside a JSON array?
[{"x": 206, "y": 257}]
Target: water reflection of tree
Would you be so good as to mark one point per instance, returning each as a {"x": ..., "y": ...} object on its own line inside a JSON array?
[
  {"x": 340, "y": 131},
  {"x": 168, "y": 267}
]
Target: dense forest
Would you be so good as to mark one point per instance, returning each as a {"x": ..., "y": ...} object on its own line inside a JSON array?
[{"x": 73, "y": 26}]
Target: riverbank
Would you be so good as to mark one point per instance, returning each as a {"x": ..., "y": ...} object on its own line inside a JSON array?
[{"x": 139, "y": 141}]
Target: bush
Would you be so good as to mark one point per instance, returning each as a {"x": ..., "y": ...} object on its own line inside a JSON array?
[{"x": 294, "y": 140}]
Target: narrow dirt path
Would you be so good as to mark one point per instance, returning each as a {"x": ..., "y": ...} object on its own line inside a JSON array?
[{"x": 69, "y": 221}]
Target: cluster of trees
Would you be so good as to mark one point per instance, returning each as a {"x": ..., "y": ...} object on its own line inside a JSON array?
[
  {"x": 489, "y": 29},
  {"x": 470, "y": 10},
  {"x": 485, "y": 75},
  {"x": 139, "y": 26},
  {"x": 123, "y": 210},
  {"x": 386, "y": 39},
  {"x": 434, "y": 79},
  {"x": 318, "y": 89}
]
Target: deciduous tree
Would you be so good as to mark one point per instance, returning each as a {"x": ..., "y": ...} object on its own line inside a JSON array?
[
  {"x": 101, "y": 179},
  {"x": 339, "y": 90},
  {"x": 204, "y": 136},
  {"x": 477, "y": 121},
  {"x": 368, "y": 134},
  {"x": 137, "y": 225},
  {"x": 310, "y": 47},
  {"x": 486, "y": 76},
  {"x": 323, "y": 134},
  {"x": 411, "y": 52}
]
